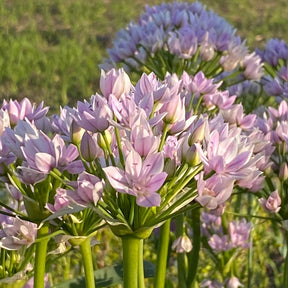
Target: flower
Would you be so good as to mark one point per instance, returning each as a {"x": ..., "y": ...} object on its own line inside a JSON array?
[
  {"x": 239, "y": 233},
  {"x": 141, "y": 178},
  {"x": 94, "y": 116},
  {"x": 114, "y": 82},
  {"x": 89, "y": 189},
  {"x": 233, "y": 282},
  {"x": 272, "y": 203},
  {"x": 182, "y": 244},
  {"x": 18, "y": 234}
]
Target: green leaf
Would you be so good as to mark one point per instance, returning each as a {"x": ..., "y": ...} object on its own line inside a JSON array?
[{"x": 106, "y": 277}]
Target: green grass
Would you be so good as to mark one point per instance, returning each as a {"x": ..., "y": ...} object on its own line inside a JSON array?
[{"x": 50, "y": 49}]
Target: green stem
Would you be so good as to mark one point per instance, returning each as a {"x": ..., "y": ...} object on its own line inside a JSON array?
[
  {"x": 131, "y": 275},
  {"x": 86, "y": 254},
  {"x": 180, "y": 256},
  {"x": 141, "y": 282},
  {"x": 193, "y": 256},
  {"x": 159, "y": 280},
  {"x": 285, "y": 280},
  {"x": 40, "y": 257}
]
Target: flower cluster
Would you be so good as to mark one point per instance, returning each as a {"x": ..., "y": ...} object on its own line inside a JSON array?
[{"x": 183, "y": 37}]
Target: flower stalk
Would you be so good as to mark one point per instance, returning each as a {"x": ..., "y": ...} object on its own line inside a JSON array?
[
  {"x": 40, "y": 256},
  {"x": 86, "y": 254},
  {"x": 132, "y": 276},
  {"x": 159, "y": 280}
]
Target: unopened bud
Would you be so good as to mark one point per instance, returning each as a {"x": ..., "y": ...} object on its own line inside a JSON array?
[
  {"x": 198, "y": 134},
  {"x": 192, "y": 156},
  {"x": 283, "y": 172},
  {"x": 88, "y": 147},
  {"x": 76, "y": 133},
  {"x": 101, "y": 141},
  {"x": 170, "y": 167}
]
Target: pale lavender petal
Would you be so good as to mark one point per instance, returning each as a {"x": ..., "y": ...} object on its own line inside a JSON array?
[
  {"x": 116, "y": 178},
  {"x": 148, "y": 199},
  {"x": 44, "y": 162},
  {"x": 156, "y": 181},
  {"x": 133, "y": 165}
]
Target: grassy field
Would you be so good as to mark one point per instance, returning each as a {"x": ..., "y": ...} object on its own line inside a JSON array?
[{"x": 50, "y": 49}]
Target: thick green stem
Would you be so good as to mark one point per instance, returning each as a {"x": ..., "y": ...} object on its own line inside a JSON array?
[
  {"x": 40, "y": 257},
  {"x": 86, "y": 254},
  {"x": 193, "y": 256},
  {"x": 131, "y": 275},
  {"x": 159, "y": 280},
  {"x": 181, "y": 256},
  {"x": 285, "y": 279},
  {"x": 141, "y": 282}
]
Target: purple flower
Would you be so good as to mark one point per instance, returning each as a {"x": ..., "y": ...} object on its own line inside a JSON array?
[
  {"x": 141, "y": 178},
  {"x": 239, "y": 233},
  {"x": 24, "y": 109},
  {"x": 44, "y": 154},
  {"x": 218, "y": 243},
  {"x": 18, "y": 234},
  {"x": 272, "y": 203},
  {"x": 94, "y": 116},
  {"x": 61, "y": 200},
  {"x": 114, "y": 82},
  {"x": 211, "y": 284},
  {"x": 253, "y": 67},
  {"x": 274, "y": 50},
  {"x": 4, "y": 120},
  {"x": 89, "y": 189},
  {"x": 182, "y": 244},
  {"x": 233, "y": 282},
  {"x": 214, "y": 191}
]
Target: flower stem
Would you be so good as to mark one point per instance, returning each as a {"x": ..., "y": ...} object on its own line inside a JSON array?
[
  {"x": 40, "y": 257},
  {"x": 193, "y": 256},
  {"x": 141, "y": 283},
  {"x": 159, "y": 280},
  {"x": 180, "y": 256},
  {"x": 285, "y": 279},
  {"x": 86, "y": 254},
  {"x": 131, "y": 275}
]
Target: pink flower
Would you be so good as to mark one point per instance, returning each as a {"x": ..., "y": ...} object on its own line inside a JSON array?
[
  {"x": 18, "y": 234},
  {"x": 273, "y": 203},
  {"x": 61, "y": 200},
  {"x": 214, "y": 191},
  {"x": 218, "y": 243},
  {"x": 141, "y": 178},
  {"x": 233, "y": 282},
  {"x": 239, "y": 233},
  {"x": 94, "y": 116},
  {"x": 89, "y": 189},
  {"x": 182, "y": 244},
  {"x": 114, "y": 82}
]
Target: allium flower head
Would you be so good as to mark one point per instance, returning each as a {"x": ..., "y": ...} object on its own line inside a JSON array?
[{"x": 179, "y": 31}]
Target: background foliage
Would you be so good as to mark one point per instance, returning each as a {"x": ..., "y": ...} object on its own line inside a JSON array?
[{"x": 50, "y": 49}]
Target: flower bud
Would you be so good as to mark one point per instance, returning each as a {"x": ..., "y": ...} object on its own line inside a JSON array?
[
  {"x": 182, "y": 244},
  {"x": 101, "y": 141},
  {"x": 76, "y": 133},
  {"x": 283, "y": 173},
  {"x": 170, "y": 167},
  {"x": 191, "y": 156},
  {"x": 88, "y": 147},
  {"x": 198, "y": 134}
]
